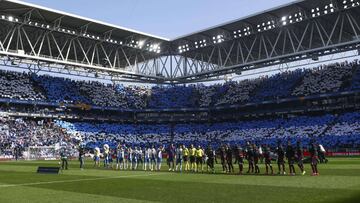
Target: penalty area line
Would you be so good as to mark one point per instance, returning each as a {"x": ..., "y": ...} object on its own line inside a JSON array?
[{"x": 76, "y": 180}]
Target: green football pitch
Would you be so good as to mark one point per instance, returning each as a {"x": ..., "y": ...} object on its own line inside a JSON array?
[{"x": 339, "y": 181}]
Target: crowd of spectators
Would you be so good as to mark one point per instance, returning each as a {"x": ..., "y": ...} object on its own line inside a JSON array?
[
  {"x": 324, "y": 79},
  {"x": 97, "y": 134},
  {"x": 330, "y": 130},
  {"x": 15, "y": 85},
  {"x": 302, "y": 82},
  {"x": 22, "y": 133}
]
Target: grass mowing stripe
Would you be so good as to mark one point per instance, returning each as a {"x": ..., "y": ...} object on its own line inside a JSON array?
[
  {"x": 33, "y": 194},
  {"x": 339, "y": 182},
  {"x": 77, "y": 180},
  {"x": 172, "y": 191}
]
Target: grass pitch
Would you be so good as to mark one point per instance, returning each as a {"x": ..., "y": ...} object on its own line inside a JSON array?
[{"x": 339, "y": 181}]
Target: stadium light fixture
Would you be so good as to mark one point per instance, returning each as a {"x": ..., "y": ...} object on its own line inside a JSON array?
[
  {"x": 218, "y": 39},
  {"x": 351, "y": 3},
  {"x": 153, "y": 48},
  {"x": 134, "y": 44},
  {"x": 242, "y": 32},
  {"x": 266, "y": 26},
  {"x": 141, "y": 43},
  {"x": 200, "y": 44},
  {"x": 184, "y": 48}
]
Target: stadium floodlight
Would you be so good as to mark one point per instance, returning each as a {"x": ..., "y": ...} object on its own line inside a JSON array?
[
  {"x": 218, "y": 39},
  {"x": 183, "y": 48},
  {"x": 141, "y": 43}
]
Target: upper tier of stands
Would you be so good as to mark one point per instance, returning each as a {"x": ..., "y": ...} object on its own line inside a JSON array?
[{"x": 298, "y": 83}]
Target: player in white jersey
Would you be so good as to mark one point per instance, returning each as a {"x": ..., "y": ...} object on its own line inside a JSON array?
[
  {"x": 126, "y": 155},
  {"x": 147, "y": 158},
  {"x": 159, "y": 157},
  {"x": 130, "y": 158},
  {"x": 135, "y": 155},
  {"x": 140, "y": 158},
  {"x": 179, "y": 158},
  {"x": 106, "y": 155},
  {"x": 120, "y": 157},
  {"x": 96, "y": 157},
  {"x": 153, "y": 158}
]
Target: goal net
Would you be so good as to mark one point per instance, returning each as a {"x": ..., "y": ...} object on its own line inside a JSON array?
[{"x": 41, "y": 153}]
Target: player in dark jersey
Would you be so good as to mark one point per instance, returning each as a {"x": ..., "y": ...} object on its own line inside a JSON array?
[
  {"x": 280, "y": 160},
  {"x": 64, "y": 159},
  {"x": 112, "y": 156},
  {"x": 81, "y": 157},
  {"x": 290, "y": 155},
  {"x": 256, "y": 159},
  {"x": 250, "y": 158},
  {"x": 210, "y": 153},
  {"x": 171, "y": 157},
  {"x": 239, "y": 159},
  {"x": 300, "y": 157},
  {"x": 222, "y": 153},
  {"x": 314, "y": 159},
  {"x": 229, "y": 159},
  {"x": 267, "y": 158}
]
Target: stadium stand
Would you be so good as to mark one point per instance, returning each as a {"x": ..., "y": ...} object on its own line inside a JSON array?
[
  {"x": 323, "y": 129},
  {"x": 278, "y": 86},
  {"x": 333, "y": 130},
  {"x": 29, "y": 132},
  {"x": 324, "y": 79},
  {"x": 18, "y": 86}
]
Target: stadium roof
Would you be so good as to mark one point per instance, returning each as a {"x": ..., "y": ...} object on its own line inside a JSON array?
[
  {"x": 250, "y": 19},
  {"x": 298, "y": 30},
  {"x": 49, "y": 15}
]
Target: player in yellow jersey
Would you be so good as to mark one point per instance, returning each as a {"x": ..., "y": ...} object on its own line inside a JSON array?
[
  {"x": 199, "y": 159},
  {"x": 192, "y": 157},
  {"x": 186, "y": 157}
]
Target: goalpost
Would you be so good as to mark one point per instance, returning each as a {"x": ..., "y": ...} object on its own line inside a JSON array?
[{"x": 41, "y": 153}]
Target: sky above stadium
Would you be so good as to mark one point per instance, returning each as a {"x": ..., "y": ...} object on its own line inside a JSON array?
[{"x": 165, "y": 18}]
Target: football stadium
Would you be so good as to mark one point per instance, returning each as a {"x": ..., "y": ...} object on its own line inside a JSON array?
[{"x": 263, "y": 108}]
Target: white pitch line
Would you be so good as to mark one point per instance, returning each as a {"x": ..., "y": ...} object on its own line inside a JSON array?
[{"x": 77, "y": 180}]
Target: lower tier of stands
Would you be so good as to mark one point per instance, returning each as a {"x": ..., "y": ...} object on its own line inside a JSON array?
[{"x": 331, "y": 131}]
